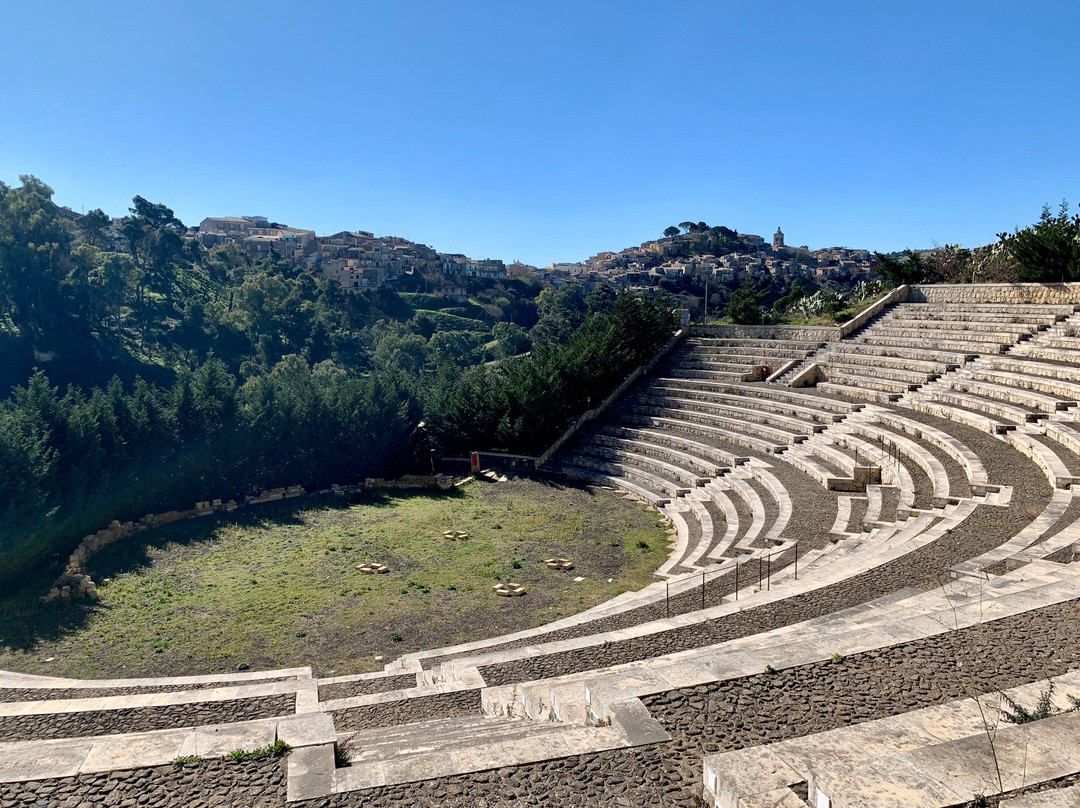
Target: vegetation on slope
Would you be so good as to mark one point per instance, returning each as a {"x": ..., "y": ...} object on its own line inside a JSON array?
[{"x": 228, "y": 376}]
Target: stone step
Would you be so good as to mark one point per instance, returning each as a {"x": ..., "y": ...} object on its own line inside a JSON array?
[
  {"x": 645, "y": 462},
  {"x": 721, "y": 458},
  {"x": 687, "y": 422},
  {"x": 639, "y": 476},
  {"x": 945, "y": 360},
  {"x": 934, "y": 343},
  {"x": 1011, "y": 395},
  {"x": 449, "y": 747},
  {"x": 923, "y": 368},
  {"x": 661, "y": 451},
  {"x": 976, "y": 328},
  {"x": 868, "y": 380},
  {"x": 857, "y": 392},
  {"x": 660, "y": 399},
  {"x": 798, "y": 411},
  {"x": 876, "y": 371},
  {"x": 780, "y": 394},
  {"x": 997, "y": 409},
  {"x": 589, "y": 475}
]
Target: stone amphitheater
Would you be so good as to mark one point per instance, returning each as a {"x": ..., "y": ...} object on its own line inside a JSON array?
[{"x": 870, "y": 575}]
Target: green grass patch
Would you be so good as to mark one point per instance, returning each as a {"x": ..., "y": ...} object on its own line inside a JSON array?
[{"x": 278, "y": 585}]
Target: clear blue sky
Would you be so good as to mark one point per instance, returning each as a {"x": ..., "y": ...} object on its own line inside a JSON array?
[{"x": 547, "y": 131}]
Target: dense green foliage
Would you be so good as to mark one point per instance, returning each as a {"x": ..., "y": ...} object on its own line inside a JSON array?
[
  {"x": 148, "y": 373},
  {"x": 1048, "y": 250},
  {"x": 522, "y": 405}
]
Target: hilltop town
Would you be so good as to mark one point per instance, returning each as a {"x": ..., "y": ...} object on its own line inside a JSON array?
[{"x": 361, "y": 261}]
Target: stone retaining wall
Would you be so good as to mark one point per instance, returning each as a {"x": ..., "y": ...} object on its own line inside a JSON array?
[
  {"x": 802, "y": 333},
  {"x": 364, "y": 687},
  {"x": 1042, "y": 293},
  {"x": 53, "y": 693},
  {"x": 142, "y": 719},
  {"x": 407, "y": 711},
  {"x": 253, "y": 784}
]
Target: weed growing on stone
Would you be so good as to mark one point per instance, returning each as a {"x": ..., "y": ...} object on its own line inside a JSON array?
[
  {"x": 272, "y": 750},
  {"x": 184, "y": 761},
  {"x": 837, "y": 657}
]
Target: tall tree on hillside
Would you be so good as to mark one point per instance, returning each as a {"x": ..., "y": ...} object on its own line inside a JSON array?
[
  {"x": 34, "y": 254},
  {"x": 1049, "y": 250},
  {"x": 94, "y": 226},
  {"x": 155, "y": 240}
]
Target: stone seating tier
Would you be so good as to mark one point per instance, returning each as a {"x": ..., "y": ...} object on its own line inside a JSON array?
[
  {"x": 935, "y": 757},
  {"x": 1021, "y": 397},
  {"x": 874, "y": 371},
  {"x": 689, "y": 411},
  {"x": 1009, "y": 317},
  {"x": 868, "y": 380},
  {"x": 929, "y": 342},
  {"x": 721, "y": 458},
  {"x": 998, "y": 409},
  {"x": 693, "y": 424},
  {"x": 742, "y": 408},
  {"x": 1037, "y": 309},
  {"x": 1015, "y": 326},
  {"x": 979, "y": 342},
  {"x": 616, "y": 481},
  {"x": 946, "y": 360},
  {"x": 776, "y": 344},
  {"x": 636, "y": 474},
  {"x": 797, "y": 411},
  {"x": 857, "y": 392},
  {"x": 1068, "y": 391},
  {"x": 765, "y": 396},
  {"x": 686, "y": 460},
  {"x": 644, "y": 461},
  {"x": 924, "y": 368}
]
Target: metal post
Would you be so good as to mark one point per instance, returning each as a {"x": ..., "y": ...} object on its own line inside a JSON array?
[
  {"x": 760, "y": 565},
  {"x": 703, "y": 589},
  {"x": 796, "y": 561},
  {"x": 667, "y": 599},
  {"x": 768, "y": 573},
  {"x": 736, "y": 579}
]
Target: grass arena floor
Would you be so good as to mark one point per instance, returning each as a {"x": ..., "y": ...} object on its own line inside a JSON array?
[{"x": 277, "y": 585}]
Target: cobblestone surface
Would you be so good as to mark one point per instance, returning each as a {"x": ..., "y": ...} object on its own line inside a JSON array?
[
  {"x": 256, "y": 784},
  {"x": 393, "y": 713},
  {"x": 364, "y": 687},
  {"x": 142, "y": 719},
  {"x": 8, "y": 694}
]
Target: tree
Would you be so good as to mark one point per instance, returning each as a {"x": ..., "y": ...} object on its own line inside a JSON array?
[
  {"x": 512, "y": 339},
  {"x": 743, "y": 306},
  {"x": 1048, "y": 250},
  {"x": 688, "y": 227},
  {"x": 671, "y": 232},
  {"x": 910, "y": 269},
  {"x": 93, "y": 227}
]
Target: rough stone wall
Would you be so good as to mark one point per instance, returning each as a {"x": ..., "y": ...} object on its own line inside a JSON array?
[
  {"x": 142, "y": 719},
  {"x": 52, "y": 694},
  {"x": 255, "y": 784},
  {"x": 391, "y": 714},
  {"x": 1042, "y": 293},
  {"x": 363, "y": 687},
  {"x": 793, "y": 332}
]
